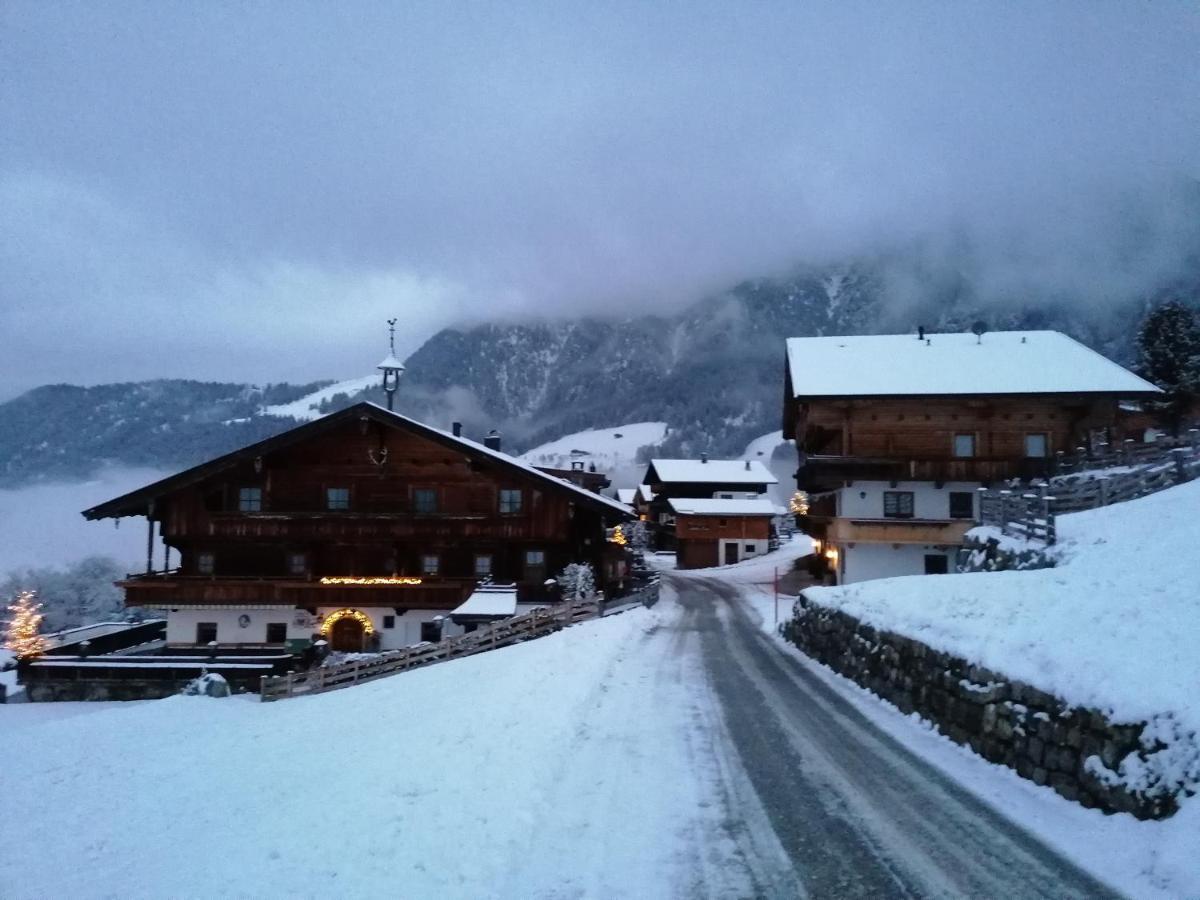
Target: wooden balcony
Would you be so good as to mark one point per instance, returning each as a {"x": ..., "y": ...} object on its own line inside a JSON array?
[
  {"x": 897, "y": 531},
  {"x": 818, "y": 473},
  {"x": 168, "y": 590}
]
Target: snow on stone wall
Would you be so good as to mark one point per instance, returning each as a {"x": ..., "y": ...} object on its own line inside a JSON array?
[{"x": 1138, "y": 767}]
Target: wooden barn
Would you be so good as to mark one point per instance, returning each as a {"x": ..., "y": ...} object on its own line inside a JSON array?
[
  {"x": 364, "y": 527},
  {"x": 896, "y": 433},
  {"x": 719, "y": 532}
]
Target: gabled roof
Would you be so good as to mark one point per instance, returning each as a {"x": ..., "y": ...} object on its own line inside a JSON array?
[
  {"x": 714, "y": 471},
  {"x": 627, "y": 495},
  {"x": 135, "y": 502},
  {"x": 1002, "y": 362},
  {"x": 703, "y": 506}
]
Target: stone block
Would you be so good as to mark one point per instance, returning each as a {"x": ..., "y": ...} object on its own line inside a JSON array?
[
  {"x": 1039, "y": 776},
  {"x": 1034, "y": 749},
  {"x": 1065, "y": 786}
]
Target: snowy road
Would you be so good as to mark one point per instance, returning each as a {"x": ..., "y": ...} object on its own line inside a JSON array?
[
  {"x": 665, "y": 753},
  {"x": 856, "y": 814}
]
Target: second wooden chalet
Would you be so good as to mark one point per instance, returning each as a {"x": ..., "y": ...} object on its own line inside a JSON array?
[
  {"x": 721, "y": 532},
  {"x": 364, "y": 527},
  {"x": 896, "y": 433}
]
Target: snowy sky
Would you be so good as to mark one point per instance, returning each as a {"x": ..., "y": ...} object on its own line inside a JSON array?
[{"x": 245, "y": 191}]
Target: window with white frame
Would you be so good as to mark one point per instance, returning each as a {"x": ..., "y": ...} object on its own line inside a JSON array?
[
  {"x": 250, "y": 499},
  {"x": 483, "y": 565},
  {"x": 510, "y": 501},
  {"x": 430, "y": 563}
]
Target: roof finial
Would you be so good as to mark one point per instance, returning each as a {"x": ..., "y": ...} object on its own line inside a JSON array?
[{"x": 392, "y": 336}]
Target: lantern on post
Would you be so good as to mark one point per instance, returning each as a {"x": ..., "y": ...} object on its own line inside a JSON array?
[{"x": 391, "y": 367}]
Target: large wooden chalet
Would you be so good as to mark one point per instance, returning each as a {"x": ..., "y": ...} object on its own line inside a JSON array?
[
  {"x": 896, "y": 433},
  {"x": 365, "y": 527}
]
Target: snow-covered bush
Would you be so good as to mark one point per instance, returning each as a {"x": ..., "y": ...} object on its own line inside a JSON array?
[
  {"x": 577, "y": 581},
  {"x": 210, "y": 684}
]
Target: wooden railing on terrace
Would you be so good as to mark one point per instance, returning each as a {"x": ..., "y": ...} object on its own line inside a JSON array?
[{"x": 1030, "y": 511}]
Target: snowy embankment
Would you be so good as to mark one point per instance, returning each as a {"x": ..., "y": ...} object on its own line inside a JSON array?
[
  {"x": 576, "y": 765},
  {"x": 1152, "y": 859},
  {"x": 1112, "y": 627}
]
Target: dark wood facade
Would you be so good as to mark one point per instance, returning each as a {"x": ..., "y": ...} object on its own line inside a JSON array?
[
  {"x": 311, "y": 517},
  {"x": 699, "y": 537},
  {"x": 918, "y": 438}
]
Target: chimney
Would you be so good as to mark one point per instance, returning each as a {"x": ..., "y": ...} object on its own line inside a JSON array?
[
  {"x": 456, "y": 428},
  {"x": 492, "y": 441},
  {"x": 920, "y": 332},
  {"x": 703, "y": 456},
  {"x": 747, "y": 465},
  {"x": 577, "y": 465}
]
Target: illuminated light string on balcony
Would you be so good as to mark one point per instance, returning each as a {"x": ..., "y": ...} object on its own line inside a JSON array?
[
  {"x": 360, "y": 617},
  {"x": 368, "y": 580}
]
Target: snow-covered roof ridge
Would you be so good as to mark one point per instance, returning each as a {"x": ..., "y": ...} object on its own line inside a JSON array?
[
  {"x": 722, "y": 471},
  {"x": 707, "y": 506},
  {"x": 1001, "y": 362}
]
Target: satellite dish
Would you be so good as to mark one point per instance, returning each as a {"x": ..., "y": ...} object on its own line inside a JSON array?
[{"x": 978, "y": 329}]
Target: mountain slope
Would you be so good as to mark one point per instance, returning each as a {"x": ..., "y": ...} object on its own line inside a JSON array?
[{"x": 712, "y": 372}]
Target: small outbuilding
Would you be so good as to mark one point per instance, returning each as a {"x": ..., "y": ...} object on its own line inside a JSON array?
[{"x": 720, "y": 532}]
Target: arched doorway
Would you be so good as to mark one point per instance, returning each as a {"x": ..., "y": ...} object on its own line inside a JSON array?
[
  {"x": 347, "y": 630},
  {"x": 346, "y": 635}
]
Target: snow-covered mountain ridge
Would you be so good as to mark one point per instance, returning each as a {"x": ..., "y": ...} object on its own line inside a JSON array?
[{"x": 712, "y": 372}]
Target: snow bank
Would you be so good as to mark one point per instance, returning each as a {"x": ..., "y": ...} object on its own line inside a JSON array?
[{"x": 1113, "y": 626}]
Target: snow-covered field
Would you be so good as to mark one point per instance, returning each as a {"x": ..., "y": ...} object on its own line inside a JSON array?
[
  {"x": 41, "y": 525},
  {"x": 613, "y": 450},
  {"x": 308, "y": 406},
  {"x": 578, "y": 765}
]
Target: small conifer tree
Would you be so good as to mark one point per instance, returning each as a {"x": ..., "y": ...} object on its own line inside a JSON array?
[{"x": 22, "y": 635}]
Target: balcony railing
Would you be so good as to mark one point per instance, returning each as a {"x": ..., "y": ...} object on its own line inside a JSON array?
[
  {"x": 172, "y": 589},
  {"x": 816, "y": 472}
]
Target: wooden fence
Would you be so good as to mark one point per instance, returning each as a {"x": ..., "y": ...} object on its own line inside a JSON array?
[
  {"x": 533, "y": 624},
  {"x": 1030, "y": 511}
]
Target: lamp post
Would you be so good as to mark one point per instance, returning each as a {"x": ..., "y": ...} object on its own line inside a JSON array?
[{"x": 391, "y": 367}]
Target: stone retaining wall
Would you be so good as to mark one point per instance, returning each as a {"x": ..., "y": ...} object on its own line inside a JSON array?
[{"x": 1007, "y": 722}]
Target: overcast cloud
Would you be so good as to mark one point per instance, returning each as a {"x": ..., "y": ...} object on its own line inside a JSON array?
[{"x": 245, "y": 191}]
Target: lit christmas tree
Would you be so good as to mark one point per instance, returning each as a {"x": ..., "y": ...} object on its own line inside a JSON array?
[{"x": 21, "y": 636}]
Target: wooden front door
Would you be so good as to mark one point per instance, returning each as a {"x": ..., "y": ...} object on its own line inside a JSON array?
[
  {"x": 731, "y": 553},
  {"x": 347, "y": 635}
]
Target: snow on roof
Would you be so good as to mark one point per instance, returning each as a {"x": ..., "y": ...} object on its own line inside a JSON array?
[
  {"x": 489, "y": 600},
  {"x": 645, "y": 493},
  {"x": 722, "y": 471},
  {"x": 627, "y": 495},
  {"x": 703, "y": 506},
  {"x": 390, "y": 362},
  {"x": 1002, "y": 362}
]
